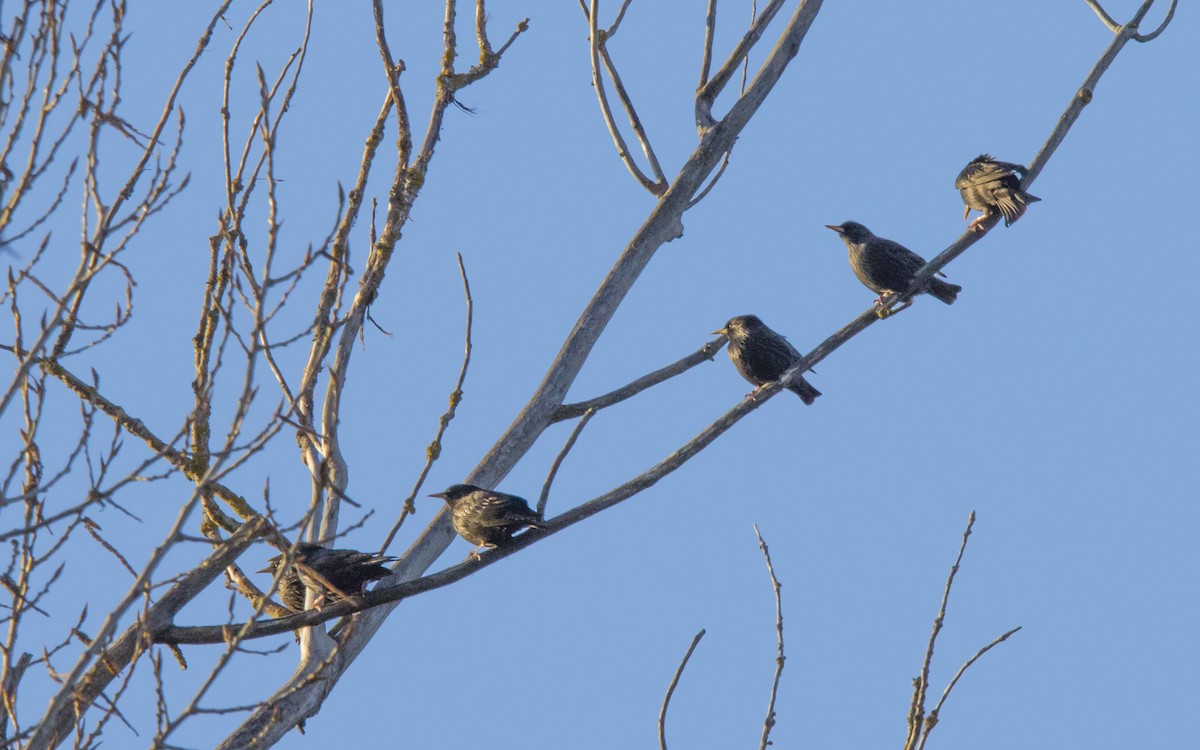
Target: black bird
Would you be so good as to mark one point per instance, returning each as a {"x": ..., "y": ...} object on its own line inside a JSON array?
[
  {"x": 487, "y": 518},
  {"x": 884, "y": 266},
  {"x": 991, "y": 186},
  {"x": 330, "y": 573},
  {"x": 762, "y": 356}
]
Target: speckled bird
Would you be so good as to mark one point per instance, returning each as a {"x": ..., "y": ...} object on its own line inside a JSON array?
[
  {"x": 487, "y": 518},
  {"x": 887, "y": 267},
  {"x": 993, "y": 186},
  {"x": 329, "y": 573},
  {"x": 762, "y": 356}
]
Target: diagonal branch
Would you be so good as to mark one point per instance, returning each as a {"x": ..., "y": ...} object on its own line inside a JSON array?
[
  {"x": 1082, "y": 97},
  {"x": 703, "y": 354}
]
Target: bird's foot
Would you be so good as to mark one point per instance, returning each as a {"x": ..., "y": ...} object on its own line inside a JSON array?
[
  {"x": 977, "y": 224},
  {"x": 753, "y": 395}
]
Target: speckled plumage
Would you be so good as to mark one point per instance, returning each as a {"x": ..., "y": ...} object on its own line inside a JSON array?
[
  {"x": 328, "y": 572},
  {"x": 992, "y": 186},
  {"x": 487, "y": 518},
  {"x": 762, "y": 356},
  {"x": 885, "y": 266}
]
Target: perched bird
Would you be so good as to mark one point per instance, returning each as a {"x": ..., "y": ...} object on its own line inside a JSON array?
[
  {"x": 884, "y": 266},
  {"x": 762, "y": 356},
  {"x": 330, "y": 573},
  {"x": 989, "y": 186},
  {"x": 487, "y": 518}
]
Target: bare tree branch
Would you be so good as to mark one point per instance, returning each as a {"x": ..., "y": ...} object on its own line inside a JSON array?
[
  {"x": 434, "y": 450},
  {"x": 598, "y": 38},
  {"x": 662, "y": 714},
  {"x": 769, "y": 722},
  {"x": 82, "y": 689},
  {"x": 932, "y": 720},
  {"x": 703, "y": 354},
  {"x": 545, "y": 496},
  {"x": 916, "y": 712}
]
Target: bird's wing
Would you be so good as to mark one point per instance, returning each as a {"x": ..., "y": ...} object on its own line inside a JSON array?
[
  {"x": 905, "y": 257},
  {"x": 501, "y": 511},
  {"x": 982, "y": 172}
]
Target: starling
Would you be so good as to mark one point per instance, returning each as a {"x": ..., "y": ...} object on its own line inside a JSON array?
[
  {"x": 989, "y": 186},
  {"x": 487, "y": 518},
  {"x": 884, "y": 266},
  {"x": 762, "y": 356},
  {"x": 331, "y": 573}
]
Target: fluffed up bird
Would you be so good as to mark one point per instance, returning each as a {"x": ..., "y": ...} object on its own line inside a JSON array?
[
  {"x": 762, "y": 356},
  {"x": 329, "y": 573},
  {"x": 992, "y": 186},
  {"x": 487, "y": 518},
  {"x": 887, "y": 267}
]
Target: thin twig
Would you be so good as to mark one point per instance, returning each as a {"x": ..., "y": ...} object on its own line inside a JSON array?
[
  {"x": 710, "y": 30},
  {"x": 662, "y": 714},
  {"x": 1112, "y": 25},
  {"x": 596, "y": 41},
  {"x": 769, "y": 722},
  {"x": 1161, "y": 27},
  {"x": 703, "y": 354},
  {"x": 708, "y": 94},
  {"x": 932, "y": 721},
  {"x": 434, "y": 450},
  {"x": 545, "y": 496},
  {"x": 916, "y": 713}
]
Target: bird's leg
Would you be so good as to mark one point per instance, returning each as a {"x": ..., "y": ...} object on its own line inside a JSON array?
[
  {"x": 886, "y": 313},
  {"x": 753, "y": 395},
  {"x": 977, "y": 225},
  {"x": 966, "y": 210}
]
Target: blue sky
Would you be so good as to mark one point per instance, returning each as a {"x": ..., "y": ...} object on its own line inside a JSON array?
[{"x": 1056, "y": 398}]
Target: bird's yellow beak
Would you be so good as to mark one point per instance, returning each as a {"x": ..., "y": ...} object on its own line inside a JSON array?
[{"x": 720, "y": 332}]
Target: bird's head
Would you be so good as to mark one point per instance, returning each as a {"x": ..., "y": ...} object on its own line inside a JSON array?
[
  {"x": 455, "y": 492},
  {"x": 300, "y": 554},
  {"x": 739, "y": 326},
  {"x": 851, "y": 231}
]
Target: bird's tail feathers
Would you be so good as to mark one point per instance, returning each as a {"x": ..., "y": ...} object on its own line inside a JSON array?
[
  {"x": 944, "y": 290},
  {"x": 1012, "y": 204},
  {"x": 805, "y": 391}
]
